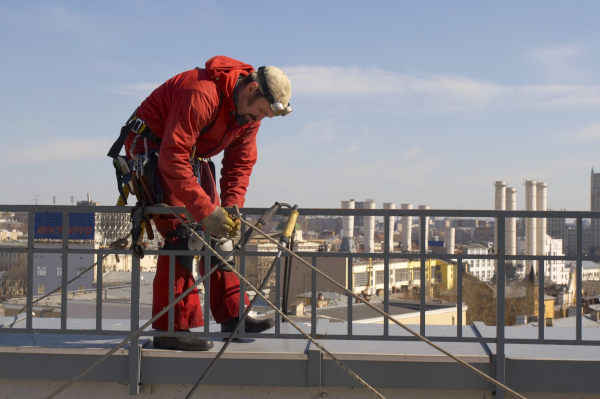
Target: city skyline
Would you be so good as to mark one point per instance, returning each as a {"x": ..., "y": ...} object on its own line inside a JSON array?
[{"x": 424, "y": 104}]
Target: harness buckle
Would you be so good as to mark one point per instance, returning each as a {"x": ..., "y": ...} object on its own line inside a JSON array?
[{"x": 138, "y": 126}]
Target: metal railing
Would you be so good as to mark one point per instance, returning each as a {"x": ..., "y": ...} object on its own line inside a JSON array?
[{"x": 387, "y": 255}]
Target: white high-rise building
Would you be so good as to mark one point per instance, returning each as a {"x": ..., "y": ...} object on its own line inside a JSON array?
[
  {"x": 595, "y": 207},
  {"x": 556, "y": 270}
]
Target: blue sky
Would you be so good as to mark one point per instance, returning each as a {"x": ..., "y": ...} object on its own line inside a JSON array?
[{"x": 409, "y": 102}]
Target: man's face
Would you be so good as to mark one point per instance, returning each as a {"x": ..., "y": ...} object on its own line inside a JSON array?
[{"x": 251, "y": 105}]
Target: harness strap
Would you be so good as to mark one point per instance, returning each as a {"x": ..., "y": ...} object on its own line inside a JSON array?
[{"x": 133, "y": 124}]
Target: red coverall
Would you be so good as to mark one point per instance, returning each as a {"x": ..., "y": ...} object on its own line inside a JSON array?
[{"x": 176, "y": 112}]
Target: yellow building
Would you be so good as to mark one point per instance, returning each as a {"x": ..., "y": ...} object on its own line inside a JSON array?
[
  {"x": 437, "y": 272},
  {"x": 369, "y": 275}
]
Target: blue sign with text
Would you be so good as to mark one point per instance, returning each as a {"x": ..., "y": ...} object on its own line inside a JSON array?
[{"x": 49, "y": 226}]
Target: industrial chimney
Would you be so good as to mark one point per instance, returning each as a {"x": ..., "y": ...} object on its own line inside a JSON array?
[
  {"x": 390, "y": 205},
  {"x": 530, "y": 224},
  {"x": 347, "y": 244},
  {"x": 499, "y": 205},
  {"x": 541, "y": 205},
  {"x": 426, "y": 227},
  {"x": 449, "y": 237},
  {"x": 406, "y": 229},
  {"x": 369, "y": 242},
  {"x": 511, "y": 224}
]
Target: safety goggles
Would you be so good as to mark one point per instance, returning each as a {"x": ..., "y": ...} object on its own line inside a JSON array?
[
  {"x": 276, "y": 107},
  {"x": 279, "y": 109}
]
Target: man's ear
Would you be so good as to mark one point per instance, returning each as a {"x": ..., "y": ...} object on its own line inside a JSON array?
[{"x": 252, "y": 86}]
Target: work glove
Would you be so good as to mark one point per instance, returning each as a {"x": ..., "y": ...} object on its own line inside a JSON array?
[
  {"x": 236, "y": 227},
  {"x": 218, "y": 222}
]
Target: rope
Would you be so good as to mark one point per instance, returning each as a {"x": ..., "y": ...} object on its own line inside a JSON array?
[
  {"x": 135, "y": 334},
  {"x": 381, "y": 312},
  {"x": 113, "y": 245},
  {"x": 241, "y": 320},
  {"x": 311, "y": 339},
  {"x": 242, "y": 278}
]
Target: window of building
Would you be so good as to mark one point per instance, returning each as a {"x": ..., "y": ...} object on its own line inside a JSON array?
[
  {"x": 361, "y": 279},
  {"x": 402, "y": 275},
  {"x": 416, "y": 274},
  {"x": 379, "y": 277},
  {"x": 41, "y": 289},
  {"x": 80, "y": 270},
  {"x": 41, "y": 271},
  {"x": 58, "y": 271}
]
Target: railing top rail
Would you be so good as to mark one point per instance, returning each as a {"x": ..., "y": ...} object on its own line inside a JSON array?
[{"x": 468, "y": 213}]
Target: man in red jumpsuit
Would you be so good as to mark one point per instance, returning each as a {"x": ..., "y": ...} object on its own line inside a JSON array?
[{"x": 203, "y": 112}]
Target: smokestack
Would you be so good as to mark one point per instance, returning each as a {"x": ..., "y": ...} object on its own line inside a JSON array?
[
  {"x": 511, "y": 224},
  {"x": 369, "y": 242},
  {"x": 530, "y": 224},
  {"x": 89, "y": 197},
  {"x": 541, "y": 205},
  {"x": 406, "y": 229},
  {"x": 499, "y": 205},
  {"x": 390, "y": 205},
  {"x": 348, "y": 221},
  {"x": 449, "y": 239},
  {"x": 426, "y": 226},
  {"x": 347, "y": 244}
]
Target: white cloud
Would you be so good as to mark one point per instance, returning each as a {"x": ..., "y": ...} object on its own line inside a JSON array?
[
  {"x": 589, "y": 132},
  {"x": 435, "y": 93},
  {"x": 562, "y": 64},
  {"x": 355, "y": 80},
  {"x": 388, "y": 91},
  {"x": 138, "y": 91},
  {"x": 351, "y": 149},
  {"x": 412, "y": 153},
  {"x": 57, "y": 149}
]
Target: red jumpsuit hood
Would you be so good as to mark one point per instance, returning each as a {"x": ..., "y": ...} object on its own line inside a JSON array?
[{"x": 224, "y": 71}]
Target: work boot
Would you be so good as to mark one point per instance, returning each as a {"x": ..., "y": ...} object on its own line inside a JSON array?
[
  {"x": 252, "y": 325},
  {"x": 183, "y": 343}
]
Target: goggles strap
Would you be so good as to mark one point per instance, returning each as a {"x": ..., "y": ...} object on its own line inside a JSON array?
[{"x": 264, "y": 87}]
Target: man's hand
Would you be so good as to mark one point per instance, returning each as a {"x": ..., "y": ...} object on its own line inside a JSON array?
[{"x": 218, "y": 222}]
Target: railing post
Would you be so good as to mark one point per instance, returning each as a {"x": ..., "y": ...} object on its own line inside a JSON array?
[
  {"x": 313, "y": 300},
  {"x": 171, "y": 312},
  {"x": 99, "y": 266},
  {"x": 30, "y": 241},
  {"x": 207, "y": 283},
  {"x": 579, "y": 285},
  {"x": 65, "y": 271},
  {"x": 277, "y": 296},
  {"x": 134, "y": 344},
  {"x": 242, "y": 304},
  {"x": 351, "y": 288},
  {"x": 423, "y": 283},
  {"x": 459, "y": 320},
  {"x": 541, "y": 309},
  {"x": 500, "y": 302},
  {"x": 386, "y": 274}
]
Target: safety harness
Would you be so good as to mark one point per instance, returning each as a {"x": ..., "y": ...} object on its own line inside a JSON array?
[{"x": 138, "y": 174}]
